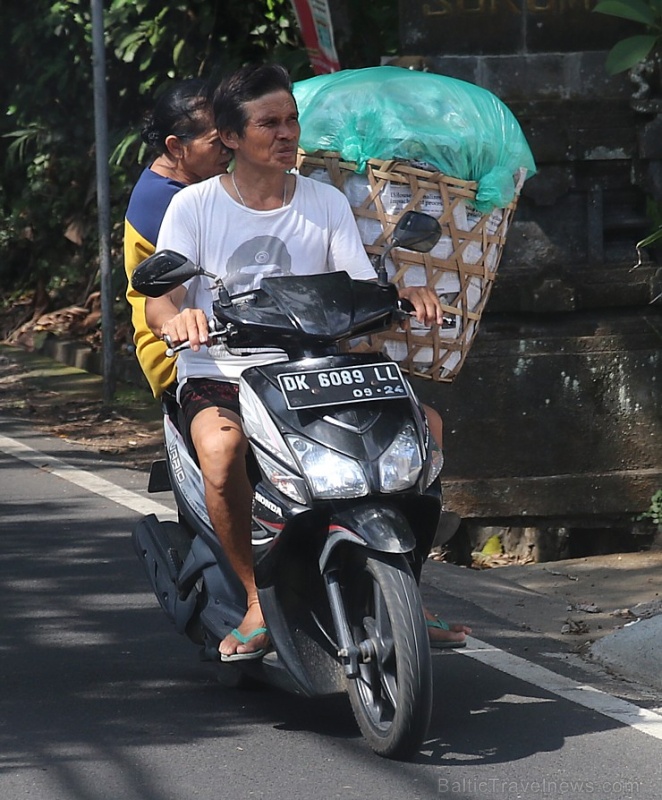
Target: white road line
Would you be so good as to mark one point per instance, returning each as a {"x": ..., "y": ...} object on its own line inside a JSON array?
[
  {"x": 86, "y": 480},
  {"x": 582, "y": 694},
  {"x": 641, "y": 719}
]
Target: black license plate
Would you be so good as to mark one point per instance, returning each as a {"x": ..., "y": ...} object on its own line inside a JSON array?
[{"x": 354, "y": 384}]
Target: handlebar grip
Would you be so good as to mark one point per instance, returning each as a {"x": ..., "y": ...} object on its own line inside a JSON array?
[
  {"x": 172, "y": 350},
  {"x": 405, "y": 306}
]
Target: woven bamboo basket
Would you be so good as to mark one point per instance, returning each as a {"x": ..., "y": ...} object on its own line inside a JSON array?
[{"x": 461, "y": 267}]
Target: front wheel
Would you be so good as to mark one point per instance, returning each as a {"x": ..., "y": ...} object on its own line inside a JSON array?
[{"x": 392, "y": 695}]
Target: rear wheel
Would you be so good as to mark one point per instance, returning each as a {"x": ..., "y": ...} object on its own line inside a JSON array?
[{"x": 392, "y": 695}]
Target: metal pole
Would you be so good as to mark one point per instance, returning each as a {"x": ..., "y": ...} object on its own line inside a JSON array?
[{"x": 103, "y": 199}]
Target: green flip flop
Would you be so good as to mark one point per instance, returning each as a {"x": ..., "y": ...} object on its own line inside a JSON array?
[
  {"x": 440, "y": 625},
  {"x": 253, "y": 654}
]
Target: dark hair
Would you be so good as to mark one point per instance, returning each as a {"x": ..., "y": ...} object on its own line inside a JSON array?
[
  {"x": 247, "y": 83},
  {"x": 176, "y": 112}
]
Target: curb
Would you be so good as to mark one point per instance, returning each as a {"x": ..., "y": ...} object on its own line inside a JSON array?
[{"x": 81, "y": 356}]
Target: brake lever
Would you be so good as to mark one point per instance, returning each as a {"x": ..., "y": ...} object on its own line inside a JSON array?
[
  {"x": 405, "y": 307},
  {"x": 171, "y": 351}
]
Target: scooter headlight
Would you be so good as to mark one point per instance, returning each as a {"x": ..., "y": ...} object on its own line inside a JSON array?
[
  {"x": 400, "y": 466},
  {"x": 329, "y": 475}
]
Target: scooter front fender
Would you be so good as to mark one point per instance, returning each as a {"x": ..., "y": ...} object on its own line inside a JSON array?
[{"x": 379, "y": 527}]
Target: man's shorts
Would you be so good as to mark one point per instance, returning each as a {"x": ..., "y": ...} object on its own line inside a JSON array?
[{"x": 200, "y": 393}]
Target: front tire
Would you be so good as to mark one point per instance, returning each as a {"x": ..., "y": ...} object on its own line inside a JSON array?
[{"x": 392, "y": 695}]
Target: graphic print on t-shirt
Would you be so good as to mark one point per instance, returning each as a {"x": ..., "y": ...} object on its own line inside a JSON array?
[{"x": 260, "y": 257}]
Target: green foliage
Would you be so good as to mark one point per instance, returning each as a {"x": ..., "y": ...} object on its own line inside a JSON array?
[
  {"x": 48, "y": 214},
  {"x": 654, "y": 512},
  {"x": 654, "y": 213},
  {"x": 629, "y": 52},
  {"x": 650, "y": 239}
]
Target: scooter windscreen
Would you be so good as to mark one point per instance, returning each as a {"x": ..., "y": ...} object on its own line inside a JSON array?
[{"x": 330, "y": 306}]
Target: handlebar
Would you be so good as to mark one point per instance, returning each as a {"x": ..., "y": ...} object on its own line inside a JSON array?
[
  {"x": 406, "y": 306},
  {"x": 172, "y": 350}
]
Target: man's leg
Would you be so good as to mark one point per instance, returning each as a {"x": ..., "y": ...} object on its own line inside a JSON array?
[
  {"x": 221, "y": 447},
  {"x": 451, "y": 633}
]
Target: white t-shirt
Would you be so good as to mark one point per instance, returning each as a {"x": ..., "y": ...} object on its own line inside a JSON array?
[{"x": 316, "y": 232}]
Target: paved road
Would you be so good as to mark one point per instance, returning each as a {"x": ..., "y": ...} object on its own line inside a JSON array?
[{"x": 101, "y": 700}]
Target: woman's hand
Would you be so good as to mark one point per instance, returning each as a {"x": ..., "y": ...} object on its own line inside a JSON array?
[{"x": 426, "y": 304}]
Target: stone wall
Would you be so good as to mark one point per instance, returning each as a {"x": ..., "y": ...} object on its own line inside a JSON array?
[{"x": 556, "y": 413}]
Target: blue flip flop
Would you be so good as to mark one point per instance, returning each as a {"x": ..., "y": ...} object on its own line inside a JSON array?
[
  {"x": 439, "y": 624},
  {"x": 253, "y": 654}
]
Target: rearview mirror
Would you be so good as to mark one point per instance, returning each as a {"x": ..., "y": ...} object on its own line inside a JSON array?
[
  {"x": 163, "y": 271},
  {"x": 416, "y": 231}
]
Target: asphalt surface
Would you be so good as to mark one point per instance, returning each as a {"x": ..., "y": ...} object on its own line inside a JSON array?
[
  {"x": 596, "y": 618},
  {"x": 101, "y": 699},
  {"x": 600, "y": 611}
]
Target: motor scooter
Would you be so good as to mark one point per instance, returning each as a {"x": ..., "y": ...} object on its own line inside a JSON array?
[{"x": 346, "y": 497}]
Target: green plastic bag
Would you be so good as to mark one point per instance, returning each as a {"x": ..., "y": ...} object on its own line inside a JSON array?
[{"x": 388, "y": 112}]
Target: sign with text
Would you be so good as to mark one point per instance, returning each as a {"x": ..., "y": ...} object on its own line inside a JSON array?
[
  {"x": 316, "y": 27},
  {"x": 337, "y": 385}
]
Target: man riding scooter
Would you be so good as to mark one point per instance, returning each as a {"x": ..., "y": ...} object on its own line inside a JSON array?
[{"x": 262, "y": 214}]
